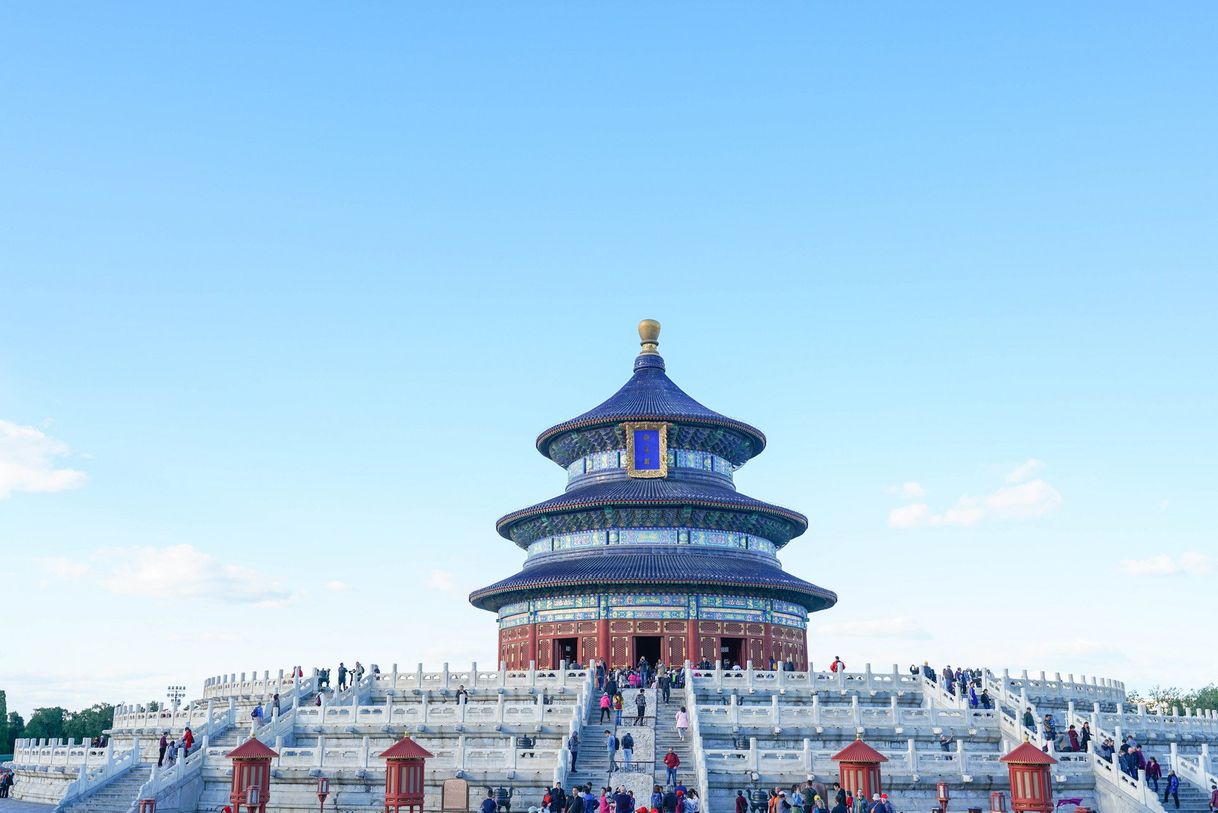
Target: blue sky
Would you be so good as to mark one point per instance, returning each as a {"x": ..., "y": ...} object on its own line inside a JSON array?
[{"x": 286, "y": 294}]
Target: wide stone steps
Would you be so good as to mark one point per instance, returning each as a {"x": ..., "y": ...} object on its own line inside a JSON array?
[
  {"x": 1192, "y": 798},
  {"x": 115, "y": 797},
  {"x": 666, "y": 737}
]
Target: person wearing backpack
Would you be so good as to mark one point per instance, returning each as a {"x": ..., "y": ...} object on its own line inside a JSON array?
[
  {"x": 611, "y": 745},
  {"x": 628, "y": 750}
]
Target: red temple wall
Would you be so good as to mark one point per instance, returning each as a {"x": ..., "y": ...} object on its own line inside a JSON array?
[{"x": 613, "y": 640}]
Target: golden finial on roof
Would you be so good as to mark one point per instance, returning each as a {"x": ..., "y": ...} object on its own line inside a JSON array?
[{"x": 649, "y": 336}]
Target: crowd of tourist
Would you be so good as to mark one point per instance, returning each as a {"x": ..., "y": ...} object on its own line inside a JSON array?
[
  {"x": 812, "y": 797},
  {"x": 581, "y": 799},
  {"x": 961, "y": 680},
  {"x": 171, "y": 750}
]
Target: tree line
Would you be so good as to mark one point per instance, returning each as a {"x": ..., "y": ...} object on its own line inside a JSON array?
[
  {"x": 53, "y": 722},
  {"x": 1162, "y": 699}
]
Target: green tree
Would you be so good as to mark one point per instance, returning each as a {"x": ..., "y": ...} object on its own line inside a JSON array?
[
  {"x": 47, "y": 722},
  {"x": 89, "y": 723},
  {"x": 1204, "y": 698},
  {"x": 16, "y": 730},
  {"x": 4, "y": 749}
]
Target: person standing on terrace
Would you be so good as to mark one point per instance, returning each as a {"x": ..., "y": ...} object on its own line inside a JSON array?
[{"x": 838, "y": 664}]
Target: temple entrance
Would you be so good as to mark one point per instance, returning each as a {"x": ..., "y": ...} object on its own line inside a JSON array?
[
  {"x": 566, "y": 649},
  {"x": 731, "y": 652},
  {"x": 646, "y": 646}
]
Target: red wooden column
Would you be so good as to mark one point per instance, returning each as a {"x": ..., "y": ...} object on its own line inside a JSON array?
[
  {"x": 531, "y": 655},
  {"x": 693, "y": 652},
  {"x": 404, "y": 775},
  {"x": 1031, "y": 784},
  {"x": 602, "y": 641},
  {"x": 859, "y": 768},
  {"x": 251, "y": 786}
]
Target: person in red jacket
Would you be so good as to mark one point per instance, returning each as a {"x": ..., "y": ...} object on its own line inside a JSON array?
[
  {"x": 671, "y": 762},
  {"x": 742, "y": 804},
  {"x": 188, "y": 739}
]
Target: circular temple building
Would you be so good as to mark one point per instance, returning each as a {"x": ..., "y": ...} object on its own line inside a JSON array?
[{"x": 651, "y": 551}]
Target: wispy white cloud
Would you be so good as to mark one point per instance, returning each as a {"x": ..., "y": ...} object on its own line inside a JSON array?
[
  {"x": 908, "y": 490},
  {"x": 336, "y": 586},
  {"x": 61, "y": 567},
  {"x": 1186, "y": 564},
  {"x": 1025, "y": 470},
  {"x": 1025, "y": 500},
  {"x": 172, "y": 572},
  {"x": 29, "y": 461},
  {"x": 441, "y": 580},
  {"x": 892, "y": 627}
]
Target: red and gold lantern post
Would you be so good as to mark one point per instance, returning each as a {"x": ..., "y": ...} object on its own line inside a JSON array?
[
  {"x": 859, "y": 768},
  {"x": 404, "y": 765},
  {"x": 251, "y": 786},
  {"x": 1031, "y": 784}
]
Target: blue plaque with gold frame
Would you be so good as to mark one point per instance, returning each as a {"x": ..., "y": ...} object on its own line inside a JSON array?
[{"x": 646, "y": 449}]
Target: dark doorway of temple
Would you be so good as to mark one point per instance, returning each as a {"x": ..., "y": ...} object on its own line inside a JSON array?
[
  {"x": 565, "y": 649},
  {"x": 647, "y": 646},
  {"x": 731, "y": 652}
]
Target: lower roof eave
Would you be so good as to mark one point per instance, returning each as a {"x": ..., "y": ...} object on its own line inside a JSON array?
[{"x": 492, "y": 599}]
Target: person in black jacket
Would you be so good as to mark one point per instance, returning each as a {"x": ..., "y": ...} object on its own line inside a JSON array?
[{"x": 558, "y": 798}]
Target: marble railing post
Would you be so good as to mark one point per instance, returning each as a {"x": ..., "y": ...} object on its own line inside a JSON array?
[
  {"x": 911, "y": 755},
  {"x": 320, "y": 756},
  {"x": 515, "y": 750},
  {"x": 892, "y": 709},
  {"x": 960, "y": 758},
  {"x": 754, "y": 756},
  {"x": 473, "y": 674},
  {"x": 856, "y": 713},
  {"x": 444, "y": 677},
  {"x": 363, "y": 754},
  {"x": 394, "y": 677},
  {"x": 775, "y": 711},
  {"x": 807, "y": 757},
  {"x": 499, "y": 709},
  {"x": 816, "y": 709},
  {"x": 734, "y": 709}
]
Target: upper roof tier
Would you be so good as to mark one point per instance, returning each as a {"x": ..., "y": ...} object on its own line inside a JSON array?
[{"x": 649, "y": 395}]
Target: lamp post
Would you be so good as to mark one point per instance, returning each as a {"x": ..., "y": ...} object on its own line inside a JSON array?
[
  {"x": 323, "y": 790},
  {"x": 175, "y": 695},
  {"x": 944, "y": 796}
]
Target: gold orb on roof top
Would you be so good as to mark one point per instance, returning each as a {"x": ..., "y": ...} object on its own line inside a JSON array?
[{"x": 649, "y": 335}]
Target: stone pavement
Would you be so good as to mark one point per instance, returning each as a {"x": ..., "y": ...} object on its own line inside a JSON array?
[{"x": 18, "y": 806}]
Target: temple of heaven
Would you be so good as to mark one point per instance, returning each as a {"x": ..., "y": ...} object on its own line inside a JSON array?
[{"x": 651, "y": 551}]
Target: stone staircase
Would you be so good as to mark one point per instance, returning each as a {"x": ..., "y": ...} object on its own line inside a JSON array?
[
  {"x": 592, "y": 767},
  {"x": 1192, "y": 798},
  {"x": 666, "y": 737},
  {"x": 114, "y": 797}
]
